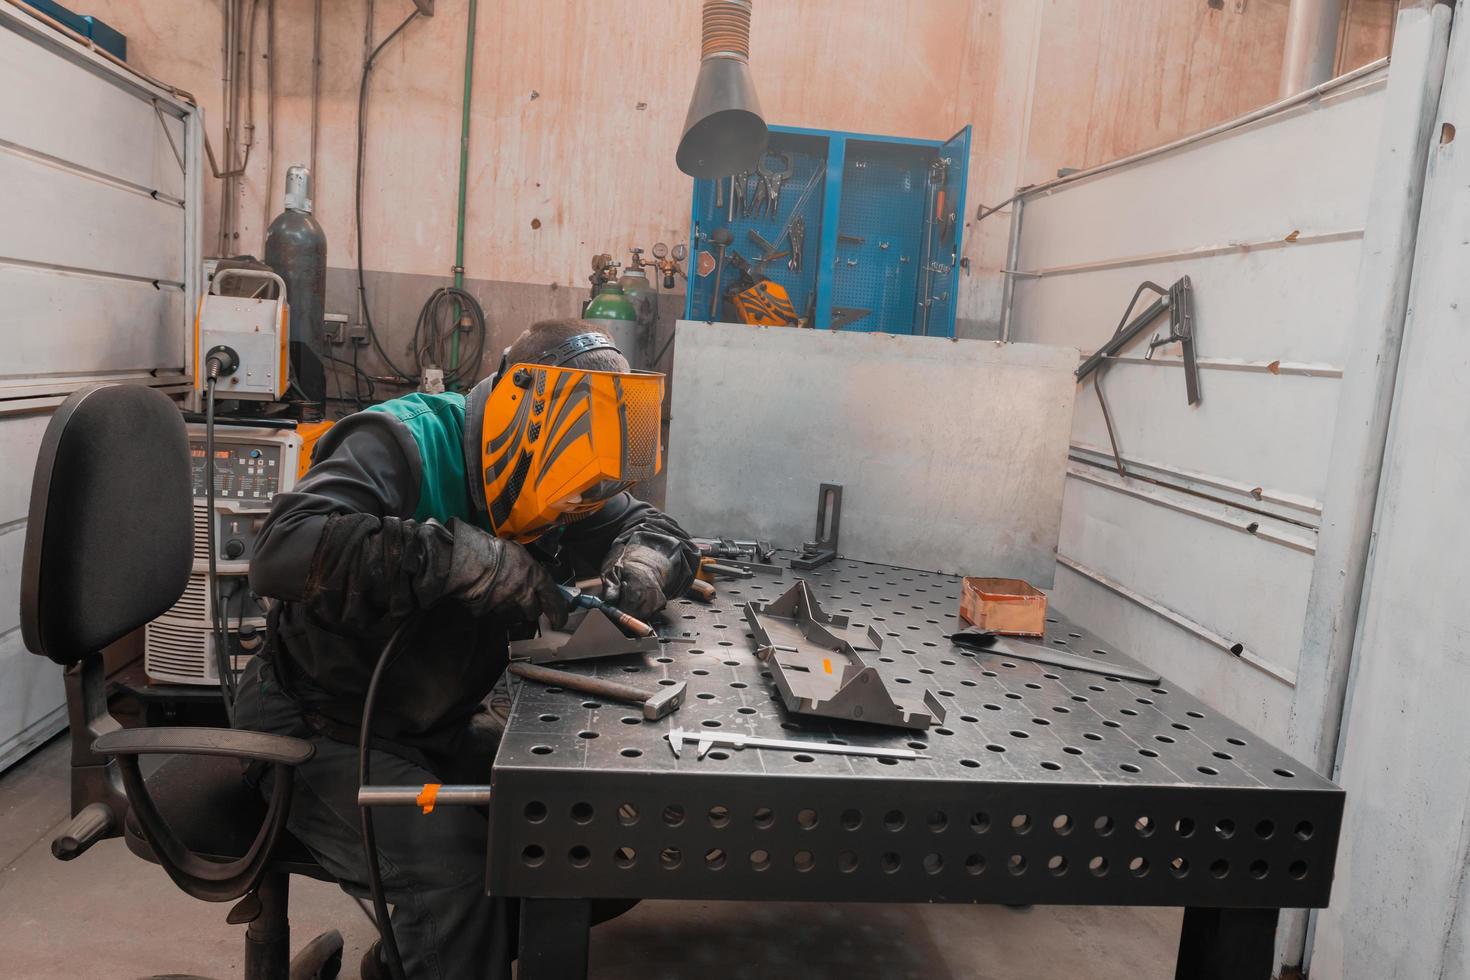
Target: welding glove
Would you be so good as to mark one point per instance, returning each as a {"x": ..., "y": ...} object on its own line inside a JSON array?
[
  {"x": 638, "y": 575},
  {"x": 498, "y": 577}
]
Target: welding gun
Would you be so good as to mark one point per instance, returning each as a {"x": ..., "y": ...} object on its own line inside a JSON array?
[{"x": 585, "y": 600}]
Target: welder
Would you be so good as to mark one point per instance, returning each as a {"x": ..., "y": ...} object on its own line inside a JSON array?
[{"x": 460, "y": 514}]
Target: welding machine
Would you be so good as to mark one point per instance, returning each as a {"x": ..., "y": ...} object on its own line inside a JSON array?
[{"x": 254, "y": 459}]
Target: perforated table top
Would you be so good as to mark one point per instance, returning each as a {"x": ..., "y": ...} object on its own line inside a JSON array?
[{"x": 1045, "y": 785}]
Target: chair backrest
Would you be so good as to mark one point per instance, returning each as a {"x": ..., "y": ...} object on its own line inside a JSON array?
[{"x": 109, "y": 541}]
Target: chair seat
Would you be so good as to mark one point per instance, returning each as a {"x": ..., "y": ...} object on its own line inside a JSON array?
[{"x": 215, "y": 814}]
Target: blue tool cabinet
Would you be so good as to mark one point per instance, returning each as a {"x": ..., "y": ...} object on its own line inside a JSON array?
[{"x": 884, "y": 219}]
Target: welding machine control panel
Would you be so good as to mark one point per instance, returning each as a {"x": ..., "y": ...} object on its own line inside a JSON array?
[{"x": 243, "y": 473}]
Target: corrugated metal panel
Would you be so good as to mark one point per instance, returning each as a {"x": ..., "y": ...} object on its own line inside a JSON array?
[
  {"x": 1206, "y": 559},
  {"x": 99, "y": 257}
]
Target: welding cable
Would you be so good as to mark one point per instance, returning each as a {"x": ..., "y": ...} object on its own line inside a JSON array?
[
  {"x": 362, "y": 98},
  {"x": 369, "y": 838},
  {"x": 438, "y": 320},
  {"x": 219, "y": 628}
]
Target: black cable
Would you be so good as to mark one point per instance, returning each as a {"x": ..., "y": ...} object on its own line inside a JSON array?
[
  {"x": 219, "y": 628},
  {"x": 369, "y": 838},
  {"x": 438, "y": 320},
  {"x": 362, "y": 94}
]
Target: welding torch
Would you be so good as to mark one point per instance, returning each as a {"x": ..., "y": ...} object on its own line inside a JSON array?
[{"x": 578, "y": 599}]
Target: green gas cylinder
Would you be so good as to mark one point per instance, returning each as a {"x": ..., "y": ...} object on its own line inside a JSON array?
[{"x": 615, "y": 315}]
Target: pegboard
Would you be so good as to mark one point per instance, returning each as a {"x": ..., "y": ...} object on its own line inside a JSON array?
[{"x": 871, "y": 231}]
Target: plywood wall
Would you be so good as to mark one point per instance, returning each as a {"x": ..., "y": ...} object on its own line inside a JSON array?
[{"x": 577, "y": 108}]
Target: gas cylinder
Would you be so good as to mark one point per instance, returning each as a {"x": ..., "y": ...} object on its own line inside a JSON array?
[
  {"x": 613, "y": 314},
  {"x": 296, "y": 250}
]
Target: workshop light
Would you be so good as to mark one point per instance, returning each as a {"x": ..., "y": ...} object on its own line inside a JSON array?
[{"x": 724, "y": 132}]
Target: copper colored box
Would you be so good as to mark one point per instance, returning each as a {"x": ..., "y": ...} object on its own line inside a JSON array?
[{"x": 1003, "y": 605}]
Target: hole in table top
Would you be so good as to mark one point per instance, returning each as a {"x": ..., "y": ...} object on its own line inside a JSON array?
[
  {"x": 536, "y": 811},
  {"x": 791, "y": 726},
  {"x": 719, "y": 815},
  {"x": 1207, "y": 770},
  {"x": 631, "y": 720},
  {"x": 1103, "y": 825},
  {"x": 1017, "y": 733},
  {"x": 700, "y": 672},
  {"x": 1128, "y": 711},
  {"x": 1167, "y": 740},
  {"x": 1071, "y": 750},
  {"x": 1016, "y": 864},
  {"x": 1062, "y": 824},
  {"x": 1051, "y": 766},
  {"x": 933, "y": 863},
  {"x": 714, "y": 858},
  {"x": 890, "y": 862},
  {"x": 975, "y": 864},
  {"x": 970, "y": 763},
  {"x": 806, "y": 819},
  {"x": 541, "y": 750},
  {"x": 630, "y": 753},
  {"x": 1098, "y": 866},
  {"x": 554, "y": 690},
  {"x": 588, "y": 734},
  {"x": 1260, "y": 869},
  {"x": 1224, "y": 756},
  {"x": 627, "y": 814},
  {"x": 851, "y": 819},
  {"x": 673, "y": 815},
  {"x": 710, "y": 723},
  {"x": 746, "y": 710},
  {"x": 705, "y": 696},
  {"x": 1044, "y": 723},
  {"x": 1109, "y": 723},
  {"x": 1080, "y": 699},
  {"x": 719, "y": 755},
  {"x": 533, "y": 856},
  {"x": 1220, "y": 868},
  {"x": 579, "y": 856},
  {"x": 1184, "y": 827},
  {"x": 943, "y": 731},
  {"x": 1239, "y": 742},
  {"x": 1145, "y": 826},
  {"x": 1284, "y": 773},
  {"x": 1297, "y": 869},
  {"x": 625, "y": 857},
  {"x": 1057, "y": 865},
  {"x": 550, "y": 718},
  {"x": 631, "y": 668},
  {"x": 1265, "y": 829},
  {"x": 937, "y": 821},
  {"x": 760, "y": 860},
  {"x": 1304, "y": 830},
  {"x": 887, "y": 762},
  {"x": 1092, "y": 736},
  {"x": 1013, "y": 696},
  {"x": 1225, "y": 828},
  {"x": 763, "y": 817},
  {"x": 582, "y": 812},
  {"x": 996, "y": 748},
  {"x": 1181, "y": 726},
  {"x": 893, "y": 820},
  {"x": 1148, "y": 753},
  {"x": 1129, "y": 767},
  {"x": 1179, "y": 867},
  {"x": 1138, "y": 867},
  {"x": 803, "y": 757},
  {"x": 1021, "y": 823}
]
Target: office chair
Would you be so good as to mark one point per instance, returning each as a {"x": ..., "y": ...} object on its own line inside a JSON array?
[{"x": 109, "y": 546}]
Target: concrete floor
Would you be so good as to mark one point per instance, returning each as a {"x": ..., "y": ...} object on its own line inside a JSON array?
[{"x": 108, "y": 915}]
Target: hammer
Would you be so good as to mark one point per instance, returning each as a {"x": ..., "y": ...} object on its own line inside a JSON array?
[{"x": 657, "y": 704}]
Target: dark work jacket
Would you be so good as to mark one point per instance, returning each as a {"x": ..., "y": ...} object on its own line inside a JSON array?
[{"x": 351, "y": 552}]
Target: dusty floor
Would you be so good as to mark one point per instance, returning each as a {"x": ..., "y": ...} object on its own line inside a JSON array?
[{"x": 108, "y": 915}]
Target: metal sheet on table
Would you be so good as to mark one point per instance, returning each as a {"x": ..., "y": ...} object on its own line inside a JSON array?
[{"x": 1045, "y": 785}]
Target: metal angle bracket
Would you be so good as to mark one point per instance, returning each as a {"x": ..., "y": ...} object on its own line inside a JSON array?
[
  {"x": 592, "y": 635},
  {"x": 815, "y": 661},
  {"x": 829, "y": 521}
]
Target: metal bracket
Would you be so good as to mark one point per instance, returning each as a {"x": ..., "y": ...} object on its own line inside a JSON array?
[
  {"x": 591, "y": 635},
  {"x": 814, "y": 660},
  {"x": 824, "y": 548}
]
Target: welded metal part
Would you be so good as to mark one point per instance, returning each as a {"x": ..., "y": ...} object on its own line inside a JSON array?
[
  {"x": 591, "y": 634},
  {"x": 1044, "y": 785},
  {"x": 815, "y": 663},
  {"x": 824, "y": 548},
  {"x": 707, "y": 740}
]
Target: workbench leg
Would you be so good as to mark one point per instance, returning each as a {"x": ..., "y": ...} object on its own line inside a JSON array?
[
  {"x": 1227, "y": 944},
  {"x": 554, "y": 934}
]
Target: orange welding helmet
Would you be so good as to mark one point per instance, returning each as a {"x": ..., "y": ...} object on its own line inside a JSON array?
[{"x": 556, "y": 443}]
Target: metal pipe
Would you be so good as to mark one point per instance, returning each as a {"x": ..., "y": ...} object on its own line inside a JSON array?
[
  {"x": 316, "y": 79},
  {"x": 464, "y": 166},
  {"x": 1311, "y": 44},
  {"x": 448, "y": 794}
]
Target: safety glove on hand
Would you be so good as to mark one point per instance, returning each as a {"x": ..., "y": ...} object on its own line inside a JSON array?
[
  {"x": 637, "y": 578},
  {"x": 501, "y": 578}
]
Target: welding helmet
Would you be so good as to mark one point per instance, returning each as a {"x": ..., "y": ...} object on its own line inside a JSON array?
[{"x": 554, "y": 443}]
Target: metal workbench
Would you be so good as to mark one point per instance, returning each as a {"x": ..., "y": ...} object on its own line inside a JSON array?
[{"x": 1045, "y": 786}]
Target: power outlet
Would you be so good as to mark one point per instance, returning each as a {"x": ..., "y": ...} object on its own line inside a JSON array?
[
  {"x": 358, "y": 334},
  {"x": 334, "y": 328}
]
